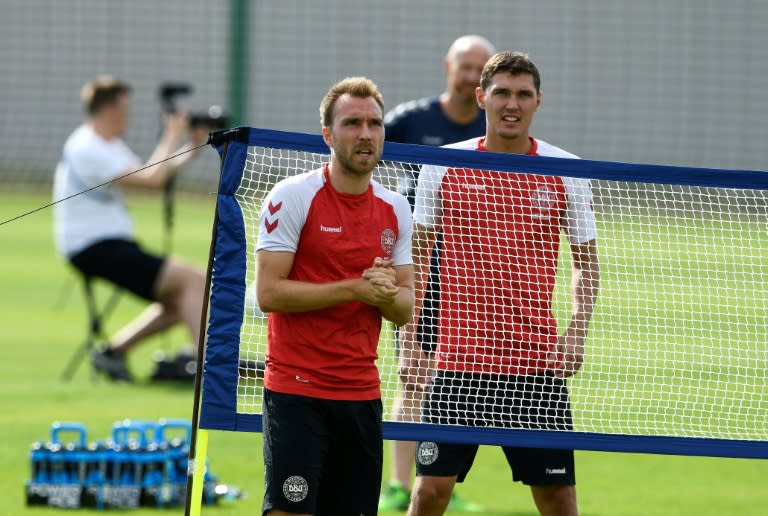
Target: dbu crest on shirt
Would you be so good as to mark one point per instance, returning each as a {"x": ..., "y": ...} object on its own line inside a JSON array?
[
  {"x": 387, "y": 242},
  {"x": 543, "y": 201}
]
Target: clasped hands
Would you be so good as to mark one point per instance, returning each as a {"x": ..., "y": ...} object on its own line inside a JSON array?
[{"x": 380, "y": 287}]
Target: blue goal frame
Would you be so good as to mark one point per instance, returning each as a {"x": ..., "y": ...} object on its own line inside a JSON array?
[{"x": 218, "y": 399}]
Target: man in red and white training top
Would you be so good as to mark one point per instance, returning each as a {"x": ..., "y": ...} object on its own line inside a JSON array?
[
  {"x": 500, "y": 360},
  {"x": 333, "y": 257}
]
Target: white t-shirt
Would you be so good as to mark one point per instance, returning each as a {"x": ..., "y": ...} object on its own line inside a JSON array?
[{"x": 89, "y": 160}]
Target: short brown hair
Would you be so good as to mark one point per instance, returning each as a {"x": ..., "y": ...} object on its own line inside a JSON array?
[
  {"x": 511, "y": 62},
  {"x": 357, "y": 87},
  {"x": 102, "y": 91}
]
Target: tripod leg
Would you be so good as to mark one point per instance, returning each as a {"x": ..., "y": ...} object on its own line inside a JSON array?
[
  {"x": 94, "y": 328},
  {"x": 76, "y": 359}
]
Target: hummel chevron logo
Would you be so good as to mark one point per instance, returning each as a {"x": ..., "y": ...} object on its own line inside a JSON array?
[
  {"x": 274, "y": 208},
  {"x": 270, "y": 226}
]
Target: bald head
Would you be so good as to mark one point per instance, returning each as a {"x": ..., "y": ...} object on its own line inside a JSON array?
[
  {"x": 468, "y": 43},
  {"x": 463, "y": 64}
]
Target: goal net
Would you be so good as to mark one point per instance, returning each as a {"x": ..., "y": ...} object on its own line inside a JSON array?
[{"x": 677, "y": 352}]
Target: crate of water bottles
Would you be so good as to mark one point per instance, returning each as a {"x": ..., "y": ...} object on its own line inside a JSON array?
[{"x": 141, "y": 464}]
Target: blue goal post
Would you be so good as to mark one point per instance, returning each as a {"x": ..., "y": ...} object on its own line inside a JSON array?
[{"x": 677, "y": 354}]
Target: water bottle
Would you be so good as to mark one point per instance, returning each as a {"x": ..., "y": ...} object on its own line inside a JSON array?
[
  {"x": 59, "y": 473},
  {"x": 173, "y": 437},
  {"x": 130, "y": 438},
  {"x": 40, "y": 463},
  {"x": 95, "y": 481},
  {"x": 154, "y": 481},
  {"x": 67, "y": 467},
  {"x": 37, "y": 486}
]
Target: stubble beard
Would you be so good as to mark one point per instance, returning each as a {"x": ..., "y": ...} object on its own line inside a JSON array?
[{"x": 349, "y": 166}]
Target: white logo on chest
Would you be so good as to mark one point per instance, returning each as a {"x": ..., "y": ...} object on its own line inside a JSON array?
[
  {"x": 330, "y": 229},
  {"x": 543, "y": 201}
]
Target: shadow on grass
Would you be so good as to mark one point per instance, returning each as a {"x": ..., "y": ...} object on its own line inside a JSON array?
[{"x": 166, "y": 385}]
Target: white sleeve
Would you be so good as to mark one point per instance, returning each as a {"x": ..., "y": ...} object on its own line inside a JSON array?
[
  {"x": 581, "y": 222},
  {"x": 282, "y": 218},
  {"x": 402, "y": 253},
  {"x": 428, "y": 208}
]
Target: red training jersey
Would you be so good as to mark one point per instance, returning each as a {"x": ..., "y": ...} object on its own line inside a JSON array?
[
  {"x": 330, "y": 353},
  {"x": 498, "y": 262}
]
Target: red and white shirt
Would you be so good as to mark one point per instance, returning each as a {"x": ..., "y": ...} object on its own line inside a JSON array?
[
  {"x": 498, "y": 263},
  {"x": 330, "y": 353}
]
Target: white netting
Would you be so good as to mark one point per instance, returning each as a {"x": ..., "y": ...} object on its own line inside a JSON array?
[{"x": 678, "y": 341}]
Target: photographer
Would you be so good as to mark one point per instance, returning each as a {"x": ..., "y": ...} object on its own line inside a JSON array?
[{"x": 94, "y": 230}]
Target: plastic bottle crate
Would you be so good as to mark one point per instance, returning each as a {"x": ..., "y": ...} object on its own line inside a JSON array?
[
  {"x": 141, "y": 464},
  {"x": 55, "y": 477}
]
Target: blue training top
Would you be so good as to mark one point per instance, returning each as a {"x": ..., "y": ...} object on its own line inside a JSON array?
[{"x": 423, "y": 122}]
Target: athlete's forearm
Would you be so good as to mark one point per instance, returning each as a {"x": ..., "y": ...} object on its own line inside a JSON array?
[
  {"x": 584, "y": 286},
  {"x": 287, "y": 295},
  {"x": 423, "y": 243},
  {"x": 401, "y": 310}
]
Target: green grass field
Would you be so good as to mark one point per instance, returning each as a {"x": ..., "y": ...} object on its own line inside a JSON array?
[{"x": 42, "y": 322}]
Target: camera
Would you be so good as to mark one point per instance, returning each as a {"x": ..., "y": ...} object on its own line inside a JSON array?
[
  {"x": 169, "y": 91},
  {"x": 214, "y": 118}
]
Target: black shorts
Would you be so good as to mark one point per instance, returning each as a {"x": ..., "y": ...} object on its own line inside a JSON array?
[
  {"x": 123, "y": 263},
  {"x": 539, "y": 402},
  {"x": 322, "y": 457}
]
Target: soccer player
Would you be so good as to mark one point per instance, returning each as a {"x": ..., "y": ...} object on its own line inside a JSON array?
[
  {"x": 333, "y": 257},
  {"x": 500, "y": 360},
  {"x": 94, "y": 230},
  {"x": 449, "y": 117}
]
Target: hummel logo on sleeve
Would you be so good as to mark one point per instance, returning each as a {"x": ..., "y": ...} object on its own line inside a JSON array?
[
  {"x": 270, "y": 226},
  {"x": 273, "y": 208}
]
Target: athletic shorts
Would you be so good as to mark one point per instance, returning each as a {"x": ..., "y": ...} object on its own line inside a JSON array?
[
  {"x": 123, "y": 263},
  {"x": 322, "y": 457},
  {"x": 538, "y": 402}
]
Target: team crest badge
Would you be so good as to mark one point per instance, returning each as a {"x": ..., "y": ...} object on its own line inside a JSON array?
[
  {"x": 427, "y": 453},
  {"x": 387, "y": 241},
  {"x": 295, "y": 488},
  {"x": 543, "y": 201}
]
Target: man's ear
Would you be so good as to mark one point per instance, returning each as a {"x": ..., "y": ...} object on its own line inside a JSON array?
[
  {"x": 327, "y": 138},
  {"x": 480, "y": 96}
]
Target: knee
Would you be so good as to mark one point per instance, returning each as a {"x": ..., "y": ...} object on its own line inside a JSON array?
[
  {"x": 197, "y": 281},
  {"x": 191, "y": 280},
  {"x": 431, "y": 492},
  {"x": 180, "y": 283},
  {"x": 555, "y": 499}
]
